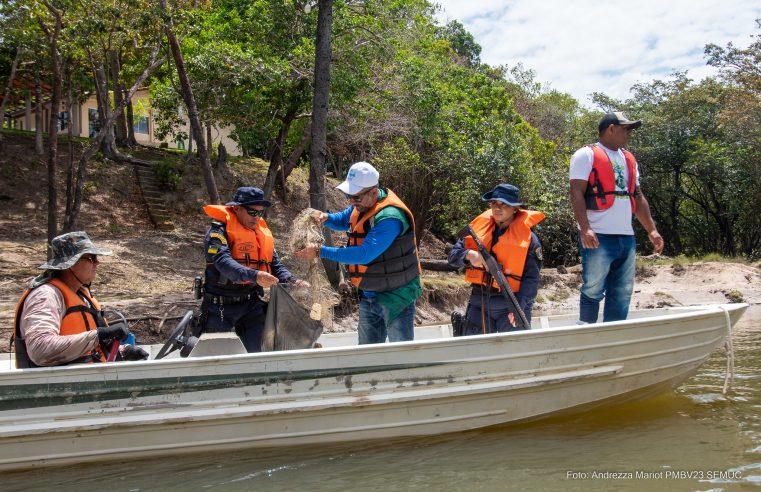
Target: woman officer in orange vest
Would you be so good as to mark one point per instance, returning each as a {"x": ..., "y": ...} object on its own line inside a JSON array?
[{"x": 505, "y": 229}]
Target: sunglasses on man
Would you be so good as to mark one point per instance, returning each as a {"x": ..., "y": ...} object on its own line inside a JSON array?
[
  {"x": 91, "y": 258},
  {"x": 358, "y": 197},
  {"x": 254, "y": 212}
]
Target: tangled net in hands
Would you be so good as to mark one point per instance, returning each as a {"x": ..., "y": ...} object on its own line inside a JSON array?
[{"x": 319, "y": 297}]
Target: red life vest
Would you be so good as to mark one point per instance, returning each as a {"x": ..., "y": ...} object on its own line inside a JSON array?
[
  {"x": 251, "y": 248},
  {"x": 511, "y": 248},
  {"x": 360, "y": 226},
  {"x": 81, "y": 310},
  {"x": 602, "y": 181}
]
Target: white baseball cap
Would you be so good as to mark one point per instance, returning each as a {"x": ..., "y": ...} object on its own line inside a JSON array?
[{"x": 361, "y": 175}]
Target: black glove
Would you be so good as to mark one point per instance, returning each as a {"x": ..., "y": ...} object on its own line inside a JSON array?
[
  {"x": 130, "y": 352},
  {"x": 117, "y": 331}
]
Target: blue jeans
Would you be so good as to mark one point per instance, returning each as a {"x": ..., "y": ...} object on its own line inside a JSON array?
[
  {"x": 607, "y": 272},
  {"x": 374, "y": 325}
]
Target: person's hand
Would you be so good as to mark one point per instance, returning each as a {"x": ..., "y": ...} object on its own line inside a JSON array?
[
  {"x": 301, "y": 284},
  {"x": 589, "y": 239},
  {"x": 475, "y": 258},
  {"x": 130, "y": 352},
  {"x": 320, "y": 217},
  {"x": 655, "y": 237},
  {"x": 117, "y": 331},
  {"x": 265, "y": 279},
  {"x": 309, "y": 253}
]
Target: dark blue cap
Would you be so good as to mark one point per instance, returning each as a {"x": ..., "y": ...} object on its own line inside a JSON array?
[
  {"x": 505, "y": 193},
  {"x": 249, "y": 195}
]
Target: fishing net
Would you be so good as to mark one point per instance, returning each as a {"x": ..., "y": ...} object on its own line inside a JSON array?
[
  {"x": 319, "y": 297},
  {"x": 288, "y": 325}
]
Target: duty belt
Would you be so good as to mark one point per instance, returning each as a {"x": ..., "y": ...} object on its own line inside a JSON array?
[
  {"x": 226, "y": 300},
  {"x": 479, "y": 289}
]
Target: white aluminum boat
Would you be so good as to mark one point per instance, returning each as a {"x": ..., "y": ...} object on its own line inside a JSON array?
[{"x": 344, "y": 392}]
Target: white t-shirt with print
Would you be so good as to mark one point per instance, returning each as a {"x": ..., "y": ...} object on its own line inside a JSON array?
[{"x": 618, "y": 218}]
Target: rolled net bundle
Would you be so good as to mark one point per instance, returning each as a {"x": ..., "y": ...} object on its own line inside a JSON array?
[{"x": 319, "y": 297}]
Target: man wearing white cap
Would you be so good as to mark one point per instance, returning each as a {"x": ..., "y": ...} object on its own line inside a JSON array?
[{"x": 380, "y": 254}]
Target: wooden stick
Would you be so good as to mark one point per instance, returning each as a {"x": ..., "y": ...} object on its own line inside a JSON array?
[
  {"x": 164, "y": 318},
  {"x": 149, "y": 317}
]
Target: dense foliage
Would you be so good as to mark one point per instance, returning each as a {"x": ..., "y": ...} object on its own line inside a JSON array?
[{"x": 414, "y": 97}]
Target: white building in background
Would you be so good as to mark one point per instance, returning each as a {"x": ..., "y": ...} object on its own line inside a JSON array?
[{"x": 85, "y": 122}]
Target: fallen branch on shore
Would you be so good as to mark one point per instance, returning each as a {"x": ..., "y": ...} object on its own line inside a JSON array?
[
  {"x": 437, "y": 265},
  {"x": 151, "y": 317}
]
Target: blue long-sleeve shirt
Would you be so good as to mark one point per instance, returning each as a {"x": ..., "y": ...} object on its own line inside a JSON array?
[{"x": 380, "y": 237}]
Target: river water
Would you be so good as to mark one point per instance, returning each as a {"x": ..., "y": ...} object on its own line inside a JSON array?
[{"x": 691, "y": 439}]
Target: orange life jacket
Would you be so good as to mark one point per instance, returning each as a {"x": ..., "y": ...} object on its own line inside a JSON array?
[
  {"x": 79, "y": 317},
  {"x": 602, "y": 181},
  {"x": 251, "y": 248},
  {"x": 511, "y": 248},
  {"x": 398, "y": 265}
]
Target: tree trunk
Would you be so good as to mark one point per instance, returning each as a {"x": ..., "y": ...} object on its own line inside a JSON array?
[
  {"x": 293, "y": 159},
  {"x": 676, "y": 199},
  {"x": 8, "y": 93},
  {"x": 38, "y": 122},
  {"x": 190, "y": 102},
  {"x": 120, "y": 127},
  {"x": 221, "y": 157},
  {"x": 55, "y": 106},
  {"x": 319, "y": 124},
  {"x": 108, "y": 144},
  {"x": 131, "y": 140},
  {"x": 276, "y": 157},
  {"x": 70, "y": 143},
  {"x": 190, "y": 144},
  {"x": 209, "y": 143}
]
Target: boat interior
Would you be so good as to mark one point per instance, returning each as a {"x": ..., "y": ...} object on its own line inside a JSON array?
[{"x": 215, "y": 344}]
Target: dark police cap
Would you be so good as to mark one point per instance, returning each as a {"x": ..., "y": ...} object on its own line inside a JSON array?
[
  {"x": 505, "y": 193},
  {"x": 249, "y": 195}
]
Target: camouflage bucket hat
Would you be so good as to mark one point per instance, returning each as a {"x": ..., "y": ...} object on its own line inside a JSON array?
[{"x": 68, "y": 248}]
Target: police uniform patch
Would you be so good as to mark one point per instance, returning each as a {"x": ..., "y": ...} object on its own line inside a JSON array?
[
  {"x": 538, "y": 253},
  {"x": 219, "y": 236},
  {"x": 212, "y": 250}
]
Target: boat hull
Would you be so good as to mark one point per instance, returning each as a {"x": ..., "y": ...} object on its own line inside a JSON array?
[{"x": 342, "y": 394}]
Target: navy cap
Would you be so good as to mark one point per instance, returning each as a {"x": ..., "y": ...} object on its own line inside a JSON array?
[
  {"x": 505, "y": 193},
  {"x": 249, "y": 195}
]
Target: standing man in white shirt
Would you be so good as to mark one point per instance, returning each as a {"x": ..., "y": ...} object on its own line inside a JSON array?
[{"x": 605, "y": 192}]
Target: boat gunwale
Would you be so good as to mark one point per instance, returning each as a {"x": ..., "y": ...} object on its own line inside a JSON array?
[{"x": 179, "y": 364}]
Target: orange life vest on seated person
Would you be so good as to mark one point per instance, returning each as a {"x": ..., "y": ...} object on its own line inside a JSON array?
[
  {"x": 395, "y": 267},
  {"x": 601, "y": 184},
  {"x": 80, "y": 317},
  {"x": 511, "y": 248},
  {"x": 251, "y": 248}
]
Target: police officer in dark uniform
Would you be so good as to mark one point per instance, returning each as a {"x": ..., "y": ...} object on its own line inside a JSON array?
[{"x": 240, "y": 262}]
